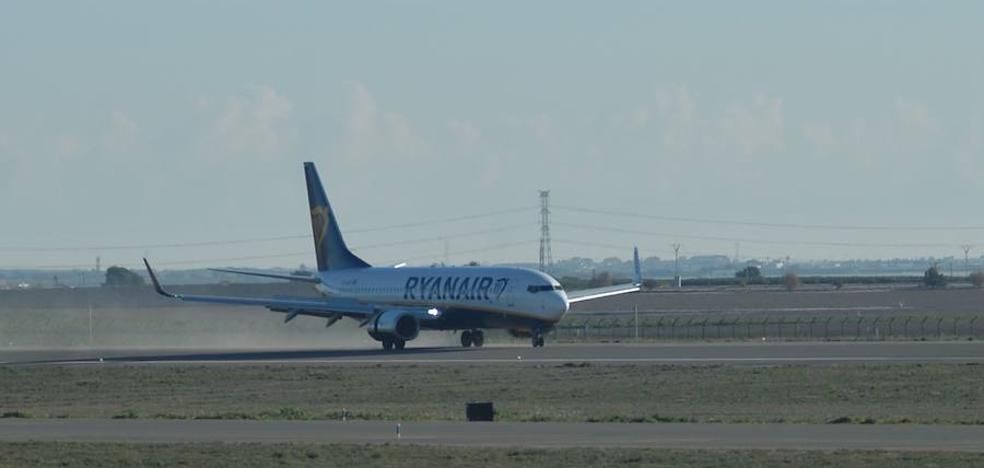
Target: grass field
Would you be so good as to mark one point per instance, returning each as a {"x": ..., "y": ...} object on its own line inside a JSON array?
[
  {"x": 861, "y": 393},
  {"x": 249, "y": 455}
]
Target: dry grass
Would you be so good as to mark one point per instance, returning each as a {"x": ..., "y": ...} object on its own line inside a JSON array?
[
  {"x": 937, "y": 393},
  {"x": 300, "y": 455}
]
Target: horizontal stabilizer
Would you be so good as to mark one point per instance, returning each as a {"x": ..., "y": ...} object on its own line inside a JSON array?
[
  {"x": 298, "y": 278},
  {"x": 318, "y": 307}
]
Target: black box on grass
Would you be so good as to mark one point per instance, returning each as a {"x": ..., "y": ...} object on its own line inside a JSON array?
[{"x": 480, "y": 411}]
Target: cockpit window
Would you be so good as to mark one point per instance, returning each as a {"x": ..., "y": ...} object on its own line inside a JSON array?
[{"x": 544, "y": 287}]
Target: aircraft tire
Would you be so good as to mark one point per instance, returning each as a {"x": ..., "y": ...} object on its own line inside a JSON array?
[
  {"x": 388, "y": 344},
  {"x": 466, "y": 338},
  {"x": 400, "y": 345},
  {"x": 478, "y": 338}
]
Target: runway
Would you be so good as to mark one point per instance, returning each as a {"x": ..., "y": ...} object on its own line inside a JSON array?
[
  {"x": 765, "y": 353},
  {"x": 703, "y": 436}
]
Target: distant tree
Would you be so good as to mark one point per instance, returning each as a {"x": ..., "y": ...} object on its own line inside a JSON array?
[
  {"x": 473, "y": 263},
  {"x": 791, "y": 281},
  {"x": 119, "y": 276},
  {"x": 611, "y": 261},
  {"x": 933, "y": 278},
  {"x": 601, "y": 280},
  {"x": 749, "y": 272},
  {"x": 977, "y": 279},
  {"x": 571, "y": 283},
  {"x": 649, "y": 284}
]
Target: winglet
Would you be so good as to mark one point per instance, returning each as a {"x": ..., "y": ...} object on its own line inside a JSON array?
[
  {"x": 637, "y": 279},
  {"x": 157, "y": 284}
]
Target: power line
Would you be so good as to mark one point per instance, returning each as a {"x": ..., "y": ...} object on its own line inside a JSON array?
[
  {"x": 602, "y": 245},
  {"x": 170, "y": 263},
  {"x": 756, "y": 241},
  {"x": 444, "y": 237},
  {"x": 441, "y": 221},
  {"x": 488, "y": 248},
  {"x": 676, "y": 263},
  {"x": 770, "y": 225},
  {"x": 626, "y": 248},
  {"x": 255, "y": 240},
  {"x": 546, "y": 257},
  {"x": 304, "y": 254},
  {"x": 151, "y": 246}
]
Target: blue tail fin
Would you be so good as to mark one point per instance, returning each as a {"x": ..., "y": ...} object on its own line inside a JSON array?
[{"x": 329, "y": 246}]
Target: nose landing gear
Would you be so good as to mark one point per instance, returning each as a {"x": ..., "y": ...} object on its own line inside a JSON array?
[{"x": 474, "y": 338}]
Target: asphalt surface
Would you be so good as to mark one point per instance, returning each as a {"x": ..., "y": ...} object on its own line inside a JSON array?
[
  {"x": 764, "y": 353},
  {"x": 737, "y": 436}
]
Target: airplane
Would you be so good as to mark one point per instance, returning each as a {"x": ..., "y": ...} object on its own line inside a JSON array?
[{"x": 394, "y": 304}]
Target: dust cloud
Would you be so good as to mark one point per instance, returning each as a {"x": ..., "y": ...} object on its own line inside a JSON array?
[{"x": 133, "y": 319}]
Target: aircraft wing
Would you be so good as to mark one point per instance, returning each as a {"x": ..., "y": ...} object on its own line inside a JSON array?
[
  {"x": 327, "y": 307},
  {"x": 598, "y": 293},
  {"x": 303, "y": 279}
]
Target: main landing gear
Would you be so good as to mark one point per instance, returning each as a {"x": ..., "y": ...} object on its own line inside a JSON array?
[
  {"x": 537, "y": 339},
  {"x": 474, "y": 338},
  {"x": 391, "y": 344}
]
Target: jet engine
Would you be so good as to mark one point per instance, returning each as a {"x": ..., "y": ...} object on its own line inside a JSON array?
[{"x": 399, "y": 324}]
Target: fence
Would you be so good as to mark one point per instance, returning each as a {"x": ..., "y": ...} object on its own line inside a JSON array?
[{"x": 713, "y": 327}]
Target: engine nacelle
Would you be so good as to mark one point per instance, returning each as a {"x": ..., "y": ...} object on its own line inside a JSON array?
[{"x": 400, "y": 324}]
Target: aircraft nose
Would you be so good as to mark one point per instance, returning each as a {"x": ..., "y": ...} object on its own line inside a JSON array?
[{"x": 560, "y": 303}]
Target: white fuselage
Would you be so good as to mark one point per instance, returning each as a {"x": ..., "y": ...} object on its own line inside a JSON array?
[{"x": 518, "y": 292}]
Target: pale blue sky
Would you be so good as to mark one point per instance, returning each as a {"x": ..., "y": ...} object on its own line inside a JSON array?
[{"x": 139, "y": 123}]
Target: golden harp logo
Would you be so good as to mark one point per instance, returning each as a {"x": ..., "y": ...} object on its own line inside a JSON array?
[{"x": 319, "y": 225}]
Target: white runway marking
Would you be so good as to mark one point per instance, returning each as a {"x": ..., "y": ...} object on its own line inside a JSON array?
[
  {"x": 667, "y": 354},
  {"x": 524, "y": 360}
]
